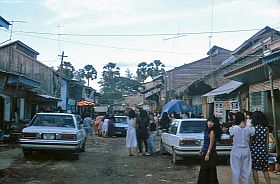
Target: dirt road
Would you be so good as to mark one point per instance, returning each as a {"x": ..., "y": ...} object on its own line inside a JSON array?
[{"x": 104, "y": 162}]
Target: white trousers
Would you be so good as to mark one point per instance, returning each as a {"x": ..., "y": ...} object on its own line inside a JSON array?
[{"x": 241, "y": 165}]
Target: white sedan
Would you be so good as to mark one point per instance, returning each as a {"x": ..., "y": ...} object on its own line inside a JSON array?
[
  {"x": 53, "y": 131},
  {"x": 186, "y": 136}
]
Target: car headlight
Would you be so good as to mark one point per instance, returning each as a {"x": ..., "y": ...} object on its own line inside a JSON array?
[{"x": 66, "y": 136}]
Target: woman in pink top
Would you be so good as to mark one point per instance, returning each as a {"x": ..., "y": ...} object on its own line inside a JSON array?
[{"x": 99, "y": 127}]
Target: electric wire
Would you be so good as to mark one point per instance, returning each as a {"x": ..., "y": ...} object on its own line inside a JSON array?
[
  {"x": 139, "y": 35},
  {"x": 113, "y": 47}
]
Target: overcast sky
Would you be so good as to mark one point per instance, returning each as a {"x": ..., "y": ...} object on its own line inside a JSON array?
[{"x": 96, "y": 29}]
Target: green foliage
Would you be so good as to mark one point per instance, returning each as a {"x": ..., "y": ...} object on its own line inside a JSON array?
[
  {"x": 142, "y": 71},
  {"x": 68, "y": 70},
  {"x": 153, "y": 69},
  {"x": 113, "y": 86},
  {"x": 80, "y": 75},
  {"x": 90, "y": 73}
]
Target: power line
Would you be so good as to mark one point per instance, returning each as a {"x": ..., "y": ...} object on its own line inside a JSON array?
[
  {"x": 113, "y": 47},
  {"x": 138, "y": 35}
]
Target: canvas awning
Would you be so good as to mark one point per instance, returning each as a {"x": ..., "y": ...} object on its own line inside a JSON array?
[{"x": 224, "y": 89}]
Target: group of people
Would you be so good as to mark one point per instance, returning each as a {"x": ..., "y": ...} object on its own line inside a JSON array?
[
  {"x": 249, "y": 152},
  {"x": 141, "y": 133},
  {"x": 102, "y": 126}
]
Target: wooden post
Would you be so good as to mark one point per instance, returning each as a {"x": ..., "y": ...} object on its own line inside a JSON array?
[{"x": 273, "y": 106}]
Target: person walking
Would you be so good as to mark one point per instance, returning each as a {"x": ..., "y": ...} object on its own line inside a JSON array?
[
  {"x": 100, "y": 124},
  {"x": 240, "y": 155},
  {"x": 259, "y": 146},
  {"x": 208, "y": 170},
  {"x": 87, "y": 124},
  {"x": 105, "y": 126},
  {"x": 152, "y": 140},
  {"x": 131, "y": 140},
  {"x": 142, "y": 125},
  {"x": 164, "y": 122},
  {"x": 95, "y": 125},
  {"x": 111, "y": 127}
]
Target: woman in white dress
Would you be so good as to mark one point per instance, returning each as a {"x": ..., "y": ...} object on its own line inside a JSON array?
[
  {"x": 131, "y": 141},
  {"x": 105, "y": 126}
]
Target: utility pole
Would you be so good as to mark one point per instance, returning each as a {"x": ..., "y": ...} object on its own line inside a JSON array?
[{"x": 60, "y": 73}]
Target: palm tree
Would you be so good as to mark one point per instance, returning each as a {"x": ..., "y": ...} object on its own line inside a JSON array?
[{"x": 90, "y": 73}]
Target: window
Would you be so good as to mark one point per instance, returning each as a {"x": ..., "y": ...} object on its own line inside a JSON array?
[
  {"x": 173, "y": 128},
  {"x": 53, "y": 121},
  {"x": 192, "y": 126}
]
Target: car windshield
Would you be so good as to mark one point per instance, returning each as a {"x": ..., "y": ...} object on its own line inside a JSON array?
[
  {"x": 53, "y": 121},
  {"x": 192, "y": 126},
  {"x": 121, "y": 119}
]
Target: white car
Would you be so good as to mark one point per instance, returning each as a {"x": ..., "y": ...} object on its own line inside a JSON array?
[
  {"x": 186, "y": 137},
  {"x": 121, "y": 125},
  {"x": 55, "y": 132}
]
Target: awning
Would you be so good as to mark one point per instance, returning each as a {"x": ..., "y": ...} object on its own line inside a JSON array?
[
  {"x": 4, "y": 23},
  {"x": 224, "y": 89},
  {"x": 272, "y": 58},
  {"x": 47, "y": 96},
  {"x": 84, "y": 103},
  {"x": 21, "y": 80}
]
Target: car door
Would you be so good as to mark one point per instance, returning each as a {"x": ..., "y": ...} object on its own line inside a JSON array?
[
  {"x": 170, "y": 137},
  {"x": 80, "y": 131},
  {"x": 173, "y": 134}
]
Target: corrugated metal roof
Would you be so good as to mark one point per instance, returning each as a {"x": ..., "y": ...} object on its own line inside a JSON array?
[{"x": 225, "y": 89}]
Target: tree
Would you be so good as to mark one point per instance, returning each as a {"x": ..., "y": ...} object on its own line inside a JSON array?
[
  {"x": 142, "y": 71},
  {"x": 128, "y": 73},
  {"x": 90, "y": 73},
  {"x": 80, "y": 75},
  {"x": 68, "y": 70},
  {"x": 110, "y": 71},
  {"x": 155, "y": 68}
]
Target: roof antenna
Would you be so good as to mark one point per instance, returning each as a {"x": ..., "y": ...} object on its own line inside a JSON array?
[
  {"x": 210, "y": 37},
  {"x": 12, "y": 23}
]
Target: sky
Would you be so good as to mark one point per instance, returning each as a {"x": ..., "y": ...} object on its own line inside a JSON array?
[{"x": 127, "y": 32}]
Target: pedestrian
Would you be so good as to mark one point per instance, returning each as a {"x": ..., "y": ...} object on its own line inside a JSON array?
[
  {"x": 105, "y": 126},
  {"x": 95, "y": 125},
  {"x": 271, "y": 141},
  {"x": 164, "y": 122},
  {"x": 152, "y": 141},
  {"x": 212, "y": 134},
  {"x": 111, "y": 127},
  {"x": 240, "y": 156},
  {"x": 131, "y": 140},
  {"x": 87, "y": 124},
  {"x": 142, "y": 125},
  {"x": 248, "y": 116},
  {"x": 100, "y": 124},
  {"x": 259, "y": 146}
]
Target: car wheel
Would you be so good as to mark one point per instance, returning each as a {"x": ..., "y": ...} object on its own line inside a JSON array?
[
  {"x": 162, "y": 149},
  {"x": 27, "y": 153},
  {"x": 76, "y": 156},
  {"x": 83, "y": 148},
  {"x": 174, "y": 157}
]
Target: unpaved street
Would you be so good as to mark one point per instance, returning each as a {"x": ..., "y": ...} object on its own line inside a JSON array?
[{"x": 104, "y": 162}]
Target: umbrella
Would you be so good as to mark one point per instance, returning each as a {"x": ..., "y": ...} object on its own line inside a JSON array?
[{"x": 178, "y": 106}]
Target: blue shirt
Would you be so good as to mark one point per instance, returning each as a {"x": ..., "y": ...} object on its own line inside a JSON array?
[{"x": 206, "y": 143}]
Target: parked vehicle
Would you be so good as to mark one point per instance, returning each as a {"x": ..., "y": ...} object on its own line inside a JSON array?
[
  {"x": 121, "y": 125},
  {"x": 186, "y": 136},
  {"x": 54, "y": 132}
]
